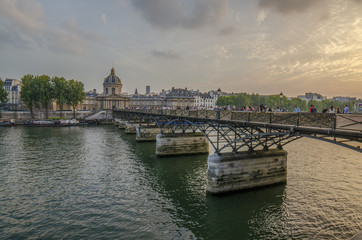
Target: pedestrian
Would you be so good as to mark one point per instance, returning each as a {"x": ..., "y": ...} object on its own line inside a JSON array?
[
  {"x": 346, "y": 109},
  {"x": 296, "y": 109},
  {"x": 338, "y": 110},
  {"x": 331, "y": 110},
  {"x": 312, "y": 109}
]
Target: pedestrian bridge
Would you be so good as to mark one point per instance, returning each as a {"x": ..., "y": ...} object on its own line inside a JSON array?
[
  {"x": 254, "y": 130},
  {"x": 248, "y": 146}
]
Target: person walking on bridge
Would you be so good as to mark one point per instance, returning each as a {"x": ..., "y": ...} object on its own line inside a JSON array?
[{"x": 346, "y": 109}]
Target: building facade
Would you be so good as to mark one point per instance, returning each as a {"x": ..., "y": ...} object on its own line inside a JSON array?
[
  {"x": 13, "y": 87},
  {"x": 112, "y": 97},
  {"x": 312, "y": 96},
  {"x": 207, "y": 100}
]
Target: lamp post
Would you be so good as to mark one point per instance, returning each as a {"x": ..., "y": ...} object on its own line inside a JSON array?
[{"x": 280, "y": 98}]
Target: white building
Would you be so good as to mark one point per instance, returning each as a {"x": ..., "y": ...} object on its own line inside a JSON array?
[
  {"x": 207, "y": 100},
  {"x": 14, "y": 97},
  {"x": 13, "y": 87},
  {"x": 8, "y": 86}
]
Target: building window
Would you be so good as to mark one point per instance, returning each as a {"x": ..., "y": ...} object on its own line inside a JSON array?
[
  {"x": 106, "y": 90},
  {"x": 113, "y": 91}
]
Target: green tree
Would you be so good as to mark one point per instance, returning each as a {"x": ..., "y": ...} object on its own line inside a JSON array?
[
  {"x": 75, "y": 94},
  {"x": 30, "y": 92},
  {"x": 46, "y": 92},
  {"x": 60, "y": 87},
  {"x": 3, "y": 93}
]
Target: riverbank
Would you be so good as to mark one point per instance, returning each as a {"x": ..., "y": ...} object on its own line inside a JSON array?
[{"x": 25, "y": 115}]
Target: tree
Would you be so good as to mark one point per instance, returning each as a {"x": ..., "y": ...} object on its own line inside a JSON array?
[
  {"x": 74, "y": 94},
  {"x": 3, "y": 93},
  {"x": 46, "y": 92},
  {"x": 60, "y": 86},
  {"x": 29, "y": 92}
]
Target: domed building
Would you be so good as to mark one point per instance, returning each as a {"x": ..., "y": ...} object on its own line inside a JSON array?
[
  {"x": 112, "y": 97},
  {"x": 112, "y": 84}
]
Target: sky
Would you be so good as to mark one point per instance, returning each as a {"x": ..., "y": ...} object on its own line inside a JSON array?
[{"x": 253, "y": 46}]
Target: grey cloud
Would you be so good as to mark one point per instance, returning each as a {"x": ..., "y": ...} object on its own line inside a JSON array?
[
  {"x": 10, "y": 37},
  {"x": 169, "y": 14},
  {"x": 71, "y": 26},
  {"x": 227, "y": 31},
  {"x": 26, "y": 15},
  {"x": 25, "y": 20},
  {"x": 289, "y": 6},
  {"x": 168, "y": 54}
]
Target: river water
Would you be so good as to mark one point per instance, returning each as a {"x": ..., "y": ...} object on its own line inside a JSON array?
[{"x": 98, "y": 183}]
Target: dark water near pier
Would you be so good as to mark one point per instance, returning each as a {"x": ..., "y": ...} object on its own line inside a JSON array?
[{"x": 73, "y": 183}]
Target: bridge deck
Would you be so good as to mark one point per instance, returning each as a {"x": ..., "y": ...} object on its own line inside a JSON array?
[{"x": 325, "y": 126}]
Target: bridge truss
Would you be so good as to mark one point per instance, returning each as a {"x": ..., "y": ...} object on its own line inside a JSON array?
[{"x": 249, "y": 131}]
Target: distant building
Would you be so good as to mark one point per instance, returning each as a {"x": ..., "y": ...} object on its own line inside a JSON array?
[
  {"x": 175, "y": 98},
  {"x": 112, "y": 94},
  {"x": 9, "y": 84},
  {"x": 15, "y": 100},
  {"x": 146, "y": 101},
  {"x": 312, "y": 96},
  {"x": 111, "y": 97},
  {"x": 90, "y": 101},
  {"x": 179, "y": 98},
  {"x": 13, "y": 87},
  {"x": 344, "y": 99},
  {"x": 148, "y": 89},
  {"x": 207, "y": 100}
]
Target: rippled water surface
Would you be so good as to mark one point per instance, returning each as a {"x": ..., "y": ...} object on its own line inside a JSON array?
[{"x": 86, "y": 182}]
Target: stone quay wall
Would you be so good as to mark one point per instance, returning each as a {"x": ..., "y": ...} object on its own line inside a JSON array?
[{"x": 23, "y": 115}]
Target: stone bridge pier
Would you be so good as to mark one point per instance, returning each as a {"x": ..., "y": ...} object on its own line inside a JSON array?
[
  {"x": 147, "y": 133},
  {"x": 131, "y": 127},
  {"x": 229, "y": 172},
  {"x": 122, "y": 124},
  {"x": 168, "y": 144}
]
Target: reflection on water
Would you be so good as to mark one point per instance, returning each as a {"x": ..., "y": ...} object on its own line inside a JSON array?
[{"x": 99, "y": 183}]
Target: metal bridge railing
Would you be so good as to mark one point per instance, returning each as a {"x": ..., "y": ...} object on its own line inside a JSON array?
[{"x": 350, "y": 122}]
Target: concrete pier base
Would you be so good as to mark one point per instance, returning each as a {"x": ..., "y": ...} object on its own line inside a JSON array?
[
  {"x": 144, "y": 133},
  {"x": 229, "y": 172},
  {"x": 131, "y": 126},
  {"x": 168, "y": 144},
  {"x": 122, "y": 124}
]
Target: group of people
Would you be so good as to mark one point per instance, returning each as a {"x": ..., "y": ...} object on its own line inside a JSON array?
[
  {"x": 312, "y": 109},
  {"x": 261, "y": 108},
  {"x": 251, "y": 108}
]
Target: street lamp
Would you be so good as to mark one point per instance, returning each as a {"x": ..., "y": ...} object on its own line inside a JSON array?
[{"x": 280, "y": 102}]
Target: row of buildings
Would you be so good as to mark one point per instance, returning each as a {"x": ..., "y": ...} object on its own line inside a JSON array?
[
  {"x": 112, "y": 97},
  {"x": 319, "y": 97}
]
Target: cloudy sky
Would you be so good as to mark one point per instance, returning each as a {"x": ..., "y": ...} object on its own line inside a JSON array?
[{"x": 260, "y": 46}]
